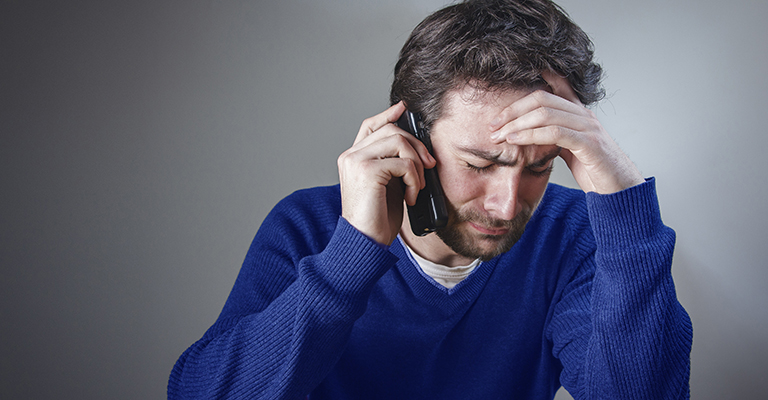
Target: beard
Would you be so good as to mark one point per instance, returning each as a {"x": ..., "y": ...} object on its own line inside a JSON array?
[{"x": 466, "y": 241}]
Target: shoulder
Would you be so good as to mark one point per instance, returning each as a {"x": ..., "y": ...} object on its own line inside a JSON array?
[
  {"x": 321, "y": 204},
  {"x": 314, "y": 196},
  {"x": 304, "y": 220}
]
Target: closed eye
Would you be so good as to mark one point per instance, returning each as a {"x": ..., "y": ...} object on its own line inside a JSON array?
[
  {"x": 478, "y": 169},
  {"x": 539, "y": 171}
]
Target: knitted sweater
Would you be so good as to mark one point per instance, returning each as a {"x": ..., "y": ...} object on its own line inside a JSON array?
[{"x": 584, "y": 299}]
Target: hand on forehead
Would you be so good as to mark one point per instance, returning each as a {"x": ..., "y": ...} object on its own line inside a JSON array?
[{"x": 464, "y": 125}]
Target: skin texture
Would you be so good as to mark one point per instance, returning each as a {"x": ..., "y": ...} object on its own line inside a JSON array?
[
  {"x": 492, "y": 188},
  {"x": 493, "y": 151}
]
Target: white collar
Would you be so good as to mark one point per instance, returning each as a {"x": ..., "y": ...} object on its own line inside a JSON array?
[{"x": 442, "y": 274}]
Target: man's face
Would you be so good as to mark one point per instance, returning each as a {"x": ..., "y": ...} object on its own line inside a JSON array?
[{"x": 491, "y": 189}]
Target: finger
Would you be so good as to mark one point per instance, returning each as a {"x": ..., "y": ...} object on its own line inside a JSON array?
[
  {"x": 425, "y": 156},
  {"x": 561, "y": 87},
  {"x": 541, "y": 117},
  {"x": 380, "y": 120},
  {"x": 390, "y": 130},
  {"x": 413, "y": 178},
  {"x": 403, "y": 168},
  {"x": 538, "y": 101},
  {"x": 393, "y": 146},
  {"x": 555, "y": 135}
]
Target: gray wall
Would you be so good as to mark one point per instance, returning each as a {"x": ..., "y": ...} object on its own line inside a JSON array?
[{"x": 143, "y": 142}]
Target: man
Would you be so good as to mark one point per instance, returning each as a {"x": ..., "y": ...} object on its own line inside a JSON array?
[{"x": 528, "y": 287}]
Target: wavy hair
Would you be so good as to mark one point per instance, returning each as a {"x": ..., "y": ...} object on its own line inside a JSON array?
[{"x": 492, "y": 45}]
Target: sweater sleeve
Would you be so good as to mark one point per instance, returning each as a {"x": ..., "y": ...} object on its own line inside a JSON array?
[
  {"x": 618, "y": 328},
  {"x": 289, "y": 315}
]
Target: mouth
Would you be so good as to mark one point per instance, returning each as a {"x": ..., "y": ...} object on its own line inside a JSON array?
[{"x": 489, "y": 231}]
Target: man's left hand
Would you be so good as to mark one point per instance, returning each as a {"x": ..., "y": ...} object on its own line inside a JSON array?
[{"x": 559, "y": 118}]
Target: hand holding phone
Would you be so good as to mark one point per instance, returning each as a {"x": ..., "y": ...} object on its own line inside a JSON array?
[{"x": 430, "y": 211}]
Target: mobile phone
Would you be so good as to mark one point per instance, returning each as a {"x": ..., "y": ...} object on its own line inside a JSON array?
[{"x": 430, "y": 212}]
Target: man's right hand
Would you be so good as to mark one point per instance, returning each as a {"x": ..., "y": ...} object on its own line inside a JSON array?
[{"x": 371, "y": 200}]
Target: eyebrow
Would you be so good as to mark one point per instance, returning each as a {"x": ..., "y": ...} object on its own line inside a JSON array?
[
  {"x": 546, "y": 158},
  {"x": 494, "y": 157}
]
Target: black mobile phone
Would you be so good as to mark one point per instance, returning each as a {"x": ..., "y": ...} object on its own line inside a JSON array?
[{"x": 430, "y": 212}]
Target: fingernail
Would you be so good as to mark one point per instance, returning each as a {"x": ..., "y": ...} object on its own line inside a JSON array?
[
  {"x": 495, "y": 122},
  {"x": 495, "y": 135}
]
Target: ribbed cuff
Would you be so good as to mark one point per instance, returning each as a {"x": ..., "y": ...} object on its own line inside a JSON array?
[{"x": 625, "y": 217}]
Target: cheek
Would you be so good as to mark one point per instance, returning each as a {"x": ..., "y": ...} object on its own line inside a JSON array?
[
  {"x": 458, "y": 185},
  {"x": 532, "y": 189}
]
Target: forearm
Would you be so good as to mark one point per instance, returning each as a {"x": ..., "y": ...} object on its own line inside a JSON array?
[
  {"x": 640, "y": 339},
  {"x": 287, "y": 348}
]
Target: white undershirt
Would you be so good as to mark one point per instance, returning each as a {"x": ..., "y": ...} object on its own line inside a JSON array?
[{"x": 442, "y": 274}]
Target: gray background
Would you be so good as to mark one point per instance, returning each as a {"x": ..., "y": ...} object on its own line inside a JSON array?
[{"x": 143, "y": 143}]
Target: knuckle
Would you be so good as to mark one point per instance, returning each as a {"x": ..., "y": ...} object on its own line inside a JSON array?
[
  {"x": 594, "y": 124},
  {"x": 410, "y": 164},
  {"x": 399, "y": 140},
  {"x": 543, "y": 113},
  {"x": 342, "y": 159},
  {"x": 347, "y": 159},
  {"x": 505, "y": 114},
  {"x": 539, "y": 95},
  {"x": 410, "y": 169},
  {"x": 403, "y": 139},
  {"x": 365, "y": 166},
  {"x": 558, "y": 131},
  {"x": 367, "y": 122}
]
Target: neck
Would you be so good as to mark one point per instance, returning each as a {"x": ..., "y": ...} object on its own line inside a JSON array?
[{"x": 431, "y": 247}]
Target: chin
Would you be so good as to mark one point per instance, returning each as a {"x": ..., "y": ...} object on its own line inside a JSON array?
[{"x": 466, "y": 241}]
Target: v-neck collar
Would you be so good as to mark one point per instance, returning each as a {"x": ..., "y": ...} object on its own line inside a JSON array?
[{"x": 426, "y": 289}]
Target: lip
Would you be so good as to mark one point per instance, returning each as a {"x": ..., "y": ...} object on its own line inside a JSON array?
[{"x": 489, "y": 231}]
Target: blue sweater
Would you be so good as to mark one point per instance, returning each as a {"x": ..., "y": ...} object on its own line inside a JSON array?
[{"x": 585, "y": 299}]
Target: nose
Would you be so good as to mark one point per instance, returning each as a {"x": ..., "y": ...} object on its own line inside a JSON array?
[{"x": 501, "y": 197}]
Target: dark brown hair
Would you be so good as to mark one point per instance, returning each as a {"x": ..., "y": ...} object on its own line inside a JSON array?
[{"x": 493, "y": 45}]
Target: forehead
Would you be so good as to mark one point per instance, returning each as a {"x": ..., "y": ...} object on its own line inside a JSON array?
[{"x": 467, "y": 115}]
